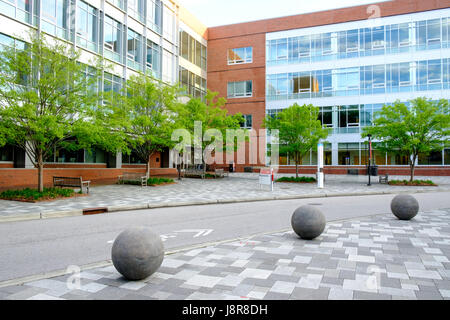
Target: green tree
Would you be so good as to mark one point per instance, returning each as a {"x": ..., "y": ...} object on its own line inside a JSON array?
[
  {"x": 419, "y": 129},
  {"x": 299, "y": 130},
  {"x": 215, "y": 121},
  {"x": 45, "y": 99},
  {"x": 144, "y": 116}
]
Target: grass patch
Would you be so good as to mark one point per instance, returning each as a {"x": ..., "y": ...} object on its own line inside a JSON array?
[
  {"x": 34, "y": 195},
  {"x": 158, "y": 181},
  {"x": 297, "y": 180},
  {"x": 152, "y": 181},
  {"x": 412, "y": 183}
]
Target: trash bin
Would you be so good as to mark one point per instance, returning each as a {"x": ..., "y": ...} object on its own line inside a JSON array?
[
  {"x": 373, "y": 170},
  {"x": 230, "y": 168}
]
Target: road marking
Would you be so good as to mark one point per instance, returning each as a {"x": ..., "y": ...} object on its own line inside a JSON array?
[{"x": 198, "y": 232}]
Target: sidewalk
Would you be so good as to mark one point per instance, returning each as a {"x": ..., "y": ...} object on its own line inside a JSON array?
[
  {"x": 239, "y": 187},
  {"x": 378, "y": 257}
]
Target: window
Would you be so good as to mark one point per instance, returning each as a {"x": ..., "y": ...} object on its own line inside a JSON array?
[
  {"x": 55, "y": 17},
  {"x": 154, "y": 58},
  {"x": 7, "y": 153},
  {"x": 239, "y": 89},
  {"x": 194, "y": 84},
  {"x": 94, "y": 155},
  {"x": 240, "y": 55},
  {"x": 154, "y": 15},
  {"x": 136, "y": 9},
  {"x": 112, "y": 39},
  {"x": 167, "y": 67},
  {"x": 192, "y": 50},
  {"x": 134, "y": 50},
  {"x": 247, "y": 123},
  {"x": 168, "y": 24},
  {"x": 19, "y": 9},
  {"x": 112, "y": 83},
  {"x": 87, "y": 26}
]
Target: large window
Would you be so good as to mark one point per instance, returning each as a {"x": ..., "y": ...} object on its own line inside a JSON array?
[
  {"x": 169, "y": 24},
  {"x": 134, "y": 50},
  {"x": 386, "y": 39},
  {"x": 112, "y": 39},
  {"x": 154, "y": 15},
  {"x": 192, "y": 50},
  {"x": 19, "y": 9},
  {"x": 87, "y": 26},
  {"x": 364, "y": 80},
  {"x": 136, "y": 9},
  {"x": 112, "y": 83},
  {"x": 154, "y": 59},
  {"x": 7, "y": 153},
  {"x": 239, "y": 89},
  {"x": 55, "y": 18},
  {"x": 240, "y": 55},
  {"x": 193, "y": 84}
]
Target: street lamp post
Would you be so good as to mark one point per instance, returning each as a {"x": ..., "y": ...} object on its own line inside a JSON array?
[{"x": 369, "y": 157}]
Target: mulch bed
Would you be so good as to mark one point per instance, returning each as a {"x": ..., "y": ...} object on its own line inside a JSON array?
[
  {"x": 47, "y": 199},
  {"x": 412, "y": 184}
]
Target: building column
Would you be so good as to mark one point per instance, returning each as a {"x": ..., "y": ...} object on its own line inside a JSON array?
[
  {"x": 334, "y": 154},
  {"x": 28, "y": 163},
  {"x": 119, "y": 160}
]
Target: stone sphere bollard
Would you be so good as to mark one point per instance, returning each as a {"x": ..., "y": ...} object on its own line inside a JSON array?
[
  {"x": 404, "y": 206},
  {"x": 308, "y": 222},
  {"x": 137, "y": 253}
]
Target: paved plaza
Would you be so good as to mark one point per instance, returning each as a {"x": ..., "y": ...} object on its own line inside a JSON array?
[
  {"x": 237, "y": 187},
  {"x": 378, "y": 257}
]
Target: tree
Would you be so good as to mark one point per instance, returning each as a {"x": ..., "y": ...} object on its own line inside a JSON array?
[
  {"x": 144, "y": 116},
  {"x": 214, "y": 119},
  {"x": 45, "y": 99},
  {"x": 420, "y": 129},
  {"x": 299, "y": 130}
]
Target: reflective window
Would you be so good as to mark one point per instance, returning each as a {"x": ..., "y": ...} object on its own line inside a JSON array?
[
  {"x": 136, "y": 9},
  {"x": 193, "y": 84},
  {"x": 55, "y": 17},
  {"x": 112, "y": 39},
  {"x": 240, "y": 55},
  {"x": 112, "y": 83},
  {"x": 87, "y": 26},
  {"x": 247, "y": 123},
  {"x": 154, "y": 59},
  {"x": 192, "y": 50},
  {"x": 18, "y": 9},
  {"x": 239, "y": 89},
  {"x": 134, "y": 50},
  {"x": 154, "y": 15}
]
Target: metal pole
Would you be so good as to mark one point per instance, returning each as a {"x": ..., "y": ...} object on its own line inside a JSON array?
[{"x": 370, "y": 158}]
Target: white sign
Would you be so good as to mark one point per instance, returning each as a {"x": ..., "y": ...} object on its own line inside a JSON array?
[
  {"x": 266, "y": 177},
  {"x": 320, "y": 165}
]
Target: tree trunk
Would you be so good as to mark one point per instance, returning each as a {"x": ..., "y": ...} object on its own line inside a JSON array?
[
  {"x": 413, "y": 166},
  {"x": 40, "y": 173},
  {"x": 296, "y": 165}
]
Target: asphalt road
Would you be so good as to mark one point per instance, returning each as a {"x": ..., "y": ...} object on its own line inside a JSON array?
[{"x": 41, "y": 246}]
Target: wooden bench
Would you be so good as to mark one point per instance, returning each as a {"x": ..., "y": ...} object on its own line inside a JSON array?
[
  {"x": 384, "y": 178},
  {"x": 133, "y": 176},
  {"x": 73, "y": 182},
  {"x": 194, "y": 173},
  {"x": 220, "y": 173}
]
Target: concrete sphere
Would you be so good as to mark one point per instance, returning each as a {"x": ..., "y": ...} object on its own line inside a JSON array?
[
  {"x": 137, "y": 253},
  {"x": 308, "y": 222},
  {"x": 404, "y": 206}
]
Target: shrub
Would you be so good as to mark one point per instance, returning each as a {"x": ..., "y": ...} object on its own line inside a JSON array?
[
  {"x": 412, "y": 183},
  {"x": 33, "y": 194},
  {"x": 298, "y": 180},
  {"x": 158, "y": 181}
]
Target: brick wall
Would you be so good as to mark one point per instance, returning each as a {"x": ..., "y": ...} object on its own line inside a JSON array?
[{"x": 21, "y": 178}]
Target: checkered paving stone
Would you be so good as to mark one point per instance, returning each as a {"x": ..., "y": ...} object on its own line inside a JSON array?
[
  {"x": 189, "y": 190},
  {"x": 377, "y": 257}
]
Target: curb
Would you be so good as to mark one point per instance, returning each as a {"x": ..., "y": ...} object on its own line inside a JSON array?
[{"x": 115, "y": 209}]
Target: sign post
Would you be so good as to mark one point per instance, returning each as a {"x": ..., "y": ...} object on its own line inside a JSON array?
[
  {"x": 320, "y": 165},
  {"x": 266, "y": 177}
]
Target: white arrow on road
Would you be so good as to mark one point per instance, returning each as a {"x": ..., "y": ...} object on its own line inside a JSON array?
[{"x": 198, "y": 232}]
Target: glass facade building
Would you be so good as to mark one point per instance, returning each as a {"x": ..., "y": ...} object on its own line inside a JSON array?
[
  {"x": 131, "y": 35},
  {"x": 350, "y": 70}
]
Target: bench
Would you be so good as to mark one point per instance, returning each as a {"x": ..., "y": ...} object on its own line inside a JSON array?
[
  {"x": 220, "y": 173},
  {"x": 73, "y": 182},
  {"x": 133, "y": 176},
  {"x": 194, "y": 173},
  {"x": 384, "y": 178}
]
